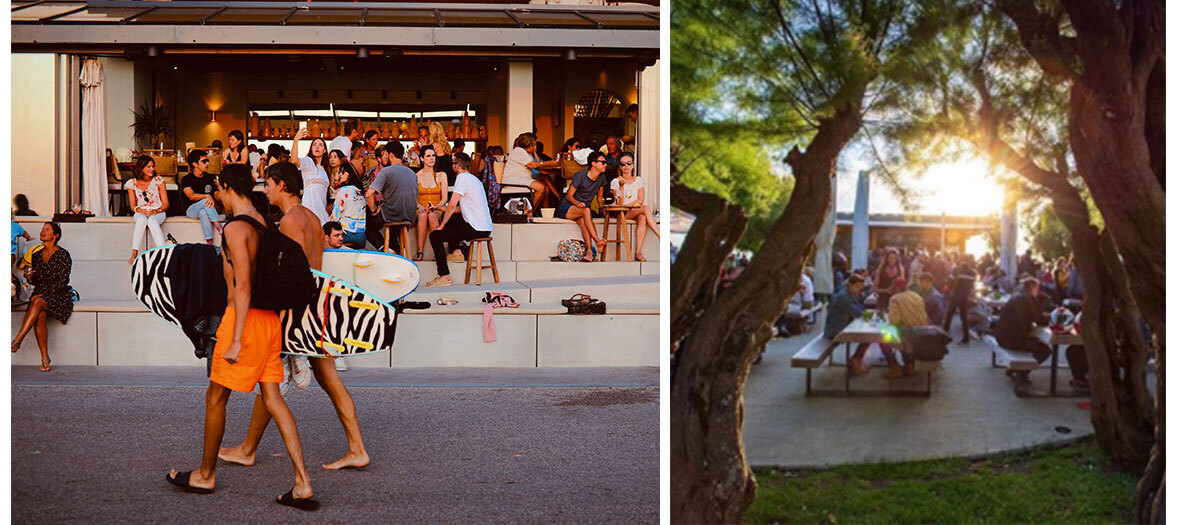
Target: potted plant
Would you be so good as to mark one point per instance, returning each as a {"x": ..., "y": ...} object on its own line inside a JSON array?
[{"x": 152, "y": 124}]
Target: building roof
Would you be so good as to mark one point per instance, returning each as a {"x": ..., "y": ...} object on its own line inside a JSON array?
[
  {"x": 65, "y": 25},
  {"x": 898, "y": 220}
]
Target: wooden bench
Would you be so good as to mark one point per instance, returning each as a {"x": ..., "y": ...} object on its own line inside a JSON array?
[
  {"x": 815, "y": 353},
  {"x": 812, "y": 355},
  {"x": 1017, "y": 361},
  {"x": 811, "y": 313}
]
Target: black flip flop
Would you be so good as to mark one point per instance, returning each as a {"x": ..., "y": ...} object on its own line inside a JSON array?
[
  {"x": 181, "y": 480},
  {"x": 305, "y": 504}
]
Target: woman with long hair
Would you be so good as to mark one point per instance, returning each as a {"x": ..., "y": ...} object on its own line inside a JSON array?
[
  {"x": 348, "y": 207},
  {"x": 890, "y": 270},
  {"x": 236, "y": 152},
  {"x": 630, "y": 190},
  {"x": 364, "y": 158},
  {"x": 149, "y": 200},
  {"x": 338, "y": 165},
  {"x": 442, "y": 149},
  {"x": 432, "y": 193},
  {"x": 315, "y": 179},
  {"x": 50, "y": 276}
]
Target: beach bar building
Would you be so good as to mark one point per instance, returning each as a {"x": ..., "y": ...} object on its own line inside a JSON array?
[{"x": 485, "y": 71}]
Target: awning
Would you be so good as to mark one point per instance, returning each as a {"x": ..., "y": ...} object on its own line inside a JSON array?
[{"x": 122, "y": 25}]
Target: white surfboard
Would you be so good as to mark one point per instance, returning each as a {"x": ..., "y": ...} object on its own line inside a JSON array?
[{"x": 387, "y": 276}]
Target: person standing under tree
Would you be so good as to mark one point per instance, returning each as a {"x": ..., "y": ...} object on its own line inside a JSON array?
[
  {"x": 283, "y": 183},
  {"x": 249, "y": 342}
]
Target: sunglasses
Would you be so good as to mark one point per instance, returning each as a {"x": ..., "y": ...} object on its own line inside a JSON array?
[
  {"x": 203, "y": 161},
  {"x": 600, "y": 161},
  {"x": 625, "y": 163}
]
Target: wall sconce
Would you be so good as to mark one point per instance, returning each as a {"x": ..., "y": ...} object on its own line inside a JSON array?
[
  {"x": 213, "y": 115},
  {"x": 571, "y": 55},
  {"x": 362, "y": 52}
]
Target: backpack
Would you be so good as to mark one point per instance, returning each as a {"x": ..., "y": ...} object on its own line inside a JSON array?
[
  {"x": 571, "y": 250},
  {"x": 928, "y": 343},
  {"x": 491, "y": 185},
  {"x": 282, "y": 275}
]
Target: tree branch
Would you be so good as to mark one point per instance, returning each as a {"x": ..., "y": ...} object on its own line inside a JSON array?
[{"x": 1039, "y": 33}]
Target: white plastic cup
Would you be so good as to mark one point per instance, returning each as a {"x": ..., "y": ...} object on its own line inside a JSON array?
[{"x": 547, "y": 212}]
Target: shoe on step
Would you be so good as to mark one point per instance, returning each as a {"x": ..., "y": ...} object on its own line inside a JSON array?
[
  {"x": 442, "y": 280},
  {"x": 455, "y": 257}
]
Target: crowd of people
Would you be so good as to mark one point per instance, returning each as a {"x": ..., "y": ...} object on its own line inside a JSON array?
[
  {"x": 362, "y": 185},
  {"x": 920, "y": 288},
  {"x": 353, "y": 185}
]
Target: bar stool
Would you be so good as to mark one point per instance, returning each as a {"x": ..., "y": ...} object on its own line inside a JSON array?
[
  {"x": 618, "y": 214},
  {"x": 403, "y": 238},
  {"x": 478, "y": 267}
]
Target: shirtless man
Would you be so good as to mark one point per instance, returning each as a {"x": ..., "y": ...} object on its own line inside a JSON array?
[
  {"x": 283, "y": 184},
  {"x": 247, "y": 351}
]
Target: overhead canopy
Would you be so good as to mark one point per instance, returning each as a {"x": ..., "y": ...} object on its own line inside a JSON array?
[{"x": 128, "y": 25}]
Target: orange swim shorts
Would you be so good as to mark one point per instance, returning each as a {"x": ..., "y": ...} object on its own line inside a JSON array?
[{"x": 259, "y": 361}]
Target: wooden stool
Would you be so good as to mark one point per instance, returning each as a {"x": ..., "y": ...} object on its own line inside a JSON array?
[
  {"x": 403, "y": 239},
  {"x": 475, "y": 255},
  {"x": 619, "y": 215}
]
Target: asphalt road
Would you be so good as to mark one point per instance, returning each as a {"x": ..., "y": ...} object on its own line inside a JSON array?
[{"x": 447, "y": 447}]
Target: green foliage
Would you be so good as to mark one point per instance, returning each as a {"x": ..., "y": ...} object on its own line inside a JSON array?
[
  {"x": 1046, "y": 234},
  {"x": 1074, "y": 484},
  {"x": 152, "y": 124}
]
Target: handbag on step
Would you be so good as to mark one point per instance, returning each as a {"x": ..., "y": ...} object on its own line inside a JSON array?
[{"x": 582, "y": 304}]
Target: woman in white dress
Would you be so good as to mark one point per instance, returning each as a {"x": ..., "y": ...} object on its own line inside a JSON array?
[
  {"x": 315, "y": 179},
  {"x": 629, "y": 190}
]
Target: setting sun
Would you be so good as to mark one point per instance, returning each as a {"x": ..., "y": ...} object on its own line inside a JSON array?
[{"x": 960, "y": 188}]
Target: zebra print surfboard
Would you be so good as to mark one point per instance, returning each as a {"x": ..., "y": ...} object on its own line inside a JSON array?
[
  {"x": 357, "y": 322},
  {"x": 343, "y": 320},
  {"x": 151, "y": 287}
]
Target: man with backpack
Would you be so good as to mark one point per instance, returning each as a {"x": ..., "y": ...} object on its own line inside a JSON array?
[
  {"x": 283, "y": 184},
  {"x": 249, "y": 342}
]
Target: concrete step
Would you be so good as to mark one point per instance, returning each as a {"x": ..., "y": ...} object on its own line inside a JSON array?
[
  {"x": 111, "y": 238},
  {"x": 544, "y": 271},
  {"x": 542, "y": 239},
  {"x": 101, "y": 279},
  {"x": 428, "y": 270},
  {"x": 649, "y": 268},
  {"x": 470, "y": 294},
  {"x": 634, "y": 289}
]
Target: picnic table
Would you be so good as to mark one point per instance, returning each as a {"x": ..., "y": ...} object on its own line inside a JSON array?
[
  {"x": 1056, "y": 340},
  {"x": 873, "y": 331}
]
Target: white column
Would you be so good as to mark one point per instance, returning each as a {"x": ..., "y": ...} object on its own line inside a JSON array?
[
  {"x": 520, "y": 101},
  {"x": 860, "y": 223},
  {"x": 1008, "y": 235},
  {"x": 647, "y": 134}
]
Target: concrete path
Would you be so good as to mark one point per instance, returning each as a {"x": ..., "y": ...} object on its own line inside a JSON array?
[
  {"x": 972, "y": 411},
  {"x": 448, "y": 445}
]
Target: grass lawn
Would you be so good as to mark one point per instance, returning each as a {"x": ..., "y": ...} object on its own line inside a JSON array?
[{"x": 1074, "y": 484}]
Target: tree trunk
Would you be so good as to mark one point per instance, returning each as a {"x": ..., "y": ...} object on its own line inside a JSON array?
[
  {"x": 1121, "y": 406},
  {"x": 713, "y": 483},
  {"x": 718, "y": 227}
]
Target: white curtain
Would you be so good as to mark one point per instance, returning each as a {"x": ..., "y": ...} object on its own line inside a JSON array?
[
  {"x": 823, "y": 249},
  {"x": 1008, "y": 236},
  {"x": 94, "y": 141},
  {"x": 860, "y": 223}
]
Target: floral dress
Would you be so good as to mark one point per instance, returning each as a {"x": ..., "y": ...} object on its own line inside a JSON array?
[{"x": 51, "y": 280}]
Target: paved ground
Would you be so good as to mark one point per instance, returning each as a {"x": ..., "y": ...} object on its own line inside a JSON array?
[
  {"x": 455, "y": 445},
  {"x": 972, "y": 411}
]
